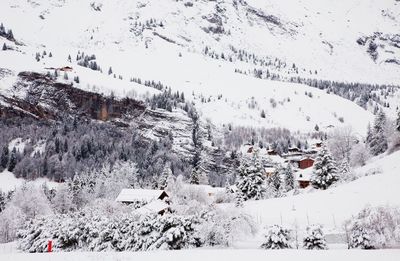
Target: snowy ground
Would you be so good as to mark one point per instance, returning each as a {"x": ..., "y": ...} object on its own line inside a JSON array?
[
  {"x": 333, "y": 206},
  {"x": 214, "y": 254},
  {"x": 9, "y": 182}
]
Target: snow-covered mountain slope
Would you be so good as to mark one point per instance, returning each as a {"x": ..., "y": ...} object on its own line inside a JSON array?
[
  {"x": 221, "y": 95},
  {"x": 343, "y": 40},
  {"x": 166, "y": 41},
  {"x": 332, "y": 207}
]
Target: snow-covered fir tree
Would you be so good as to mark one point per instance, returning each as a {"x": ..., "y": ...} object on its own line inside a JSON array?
[
  {"x": 2, "y": 201},
  {"x": 195, "y": 176},
  {"x": 345, "y": 173},
  {"x": 165, "y": 175},
  {"x": 325, "y": 170},
  {"x": 360, "y": 237},
  {"x": 314, "y": 238},
  {"x": 277, "y": 237},
  {"x": 275, "y": 184},
  {"x": 251, "y": 181},
  {"x": 4, "y": 158},
  {"x": 289, "y": 180},
  {"x": 239, "y": 199},
  {"x": 377, "y": 141}
]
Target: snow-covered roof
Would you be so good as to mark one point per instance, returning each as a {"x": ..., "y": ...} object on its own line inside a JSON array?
[
  {"x": 207, "y": 188},
  {"x": 304, "y": 174},
  {"x": 155, "y": 206},
  {"x": 132, "y": 195},
  {"x": 276, "y": 158},
  {"x": 269, "y": 169}
]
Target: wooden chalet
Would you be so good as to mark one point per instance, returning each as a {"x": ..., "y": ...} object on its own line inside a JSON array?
[{"x": 305, "y": 163}]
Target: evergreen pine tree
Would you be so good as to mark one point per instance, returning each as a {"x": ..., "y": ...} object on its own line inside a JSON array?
[
  {"x": 315, "y": 238},
  {"x": 360, "y": 237},
  {"x": 251, "y": 182},
  {"x": 2, "y": 201},
  {"x": 277, "y": 237},
  {"x": 10, "y": 35},
  {"x": 165, "y": 176},
  {"x": 288, "y": 178},
  {"x": 13, "y": 160},
  {"x": 194, "y": 178},
  {"x": 4, "y": 47},
  {"x": 4, "y": 157},
  {"x": 325, "y": 171},
  {"x": 239, "y": 199},
  {"x": 345, "y": 172},
  {"x": 110, "y": 71},
  {"x": 378, "y": 141},
  {"x": 276, "y": 184},
  {"x": 262, "y": 114}
]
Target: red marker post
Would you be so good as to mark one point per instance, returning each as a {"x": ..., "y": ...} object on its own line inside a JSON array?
[{"x": 49, "y": 246}]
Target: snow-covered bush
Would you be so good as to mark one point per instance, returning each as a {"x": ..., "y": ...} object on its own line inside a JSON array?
[
  {"x": 345, "y": 173},
  {"x": 340, "y": 142},
  {"x": 315, "y": 238},
  {"x": 63, "y": 200},
  {"x": 222, "y": 228},
  {"x": 93, "y": 232},
  {"x": 10, "y": 220},
  {"x": 187, "y": 199},
  {"x": 166, "y": 232},
  {"x": 277, "y": 237},
  {"x": 374, "y": 227},
  {"x": 359, "y": 155},
  {"x": 28, "y": 201}
]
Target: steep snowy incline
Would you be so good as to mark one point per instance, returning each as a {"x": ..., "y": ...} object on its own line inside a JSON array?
[{"x": 333, "y": 206}]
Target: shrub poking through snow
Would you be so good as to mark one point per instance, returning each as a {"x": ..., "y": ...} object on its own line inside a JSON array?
[
  {"x": 374, "y": 227},
  {"x": 315, "y": 238},
  {"x": 277, "y": 237}
]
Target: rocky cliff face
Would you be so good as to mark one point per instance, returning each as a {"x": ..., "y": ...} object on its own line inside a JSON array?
[{"x": 39, "y": 96}]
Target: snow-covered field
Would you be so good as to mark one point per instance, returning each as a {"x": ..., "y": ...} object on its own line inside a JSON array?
[
  {"x": 9, "y": 182},
  {"x": 214, "y": 254}
]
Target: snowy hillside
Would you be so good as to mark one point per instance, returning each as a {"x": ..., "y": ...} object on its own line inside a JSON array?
[
  {"x": 332, "y": 207},
  {"x": 253, "y": 124},
  {"x": 292, "y": 32}
]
